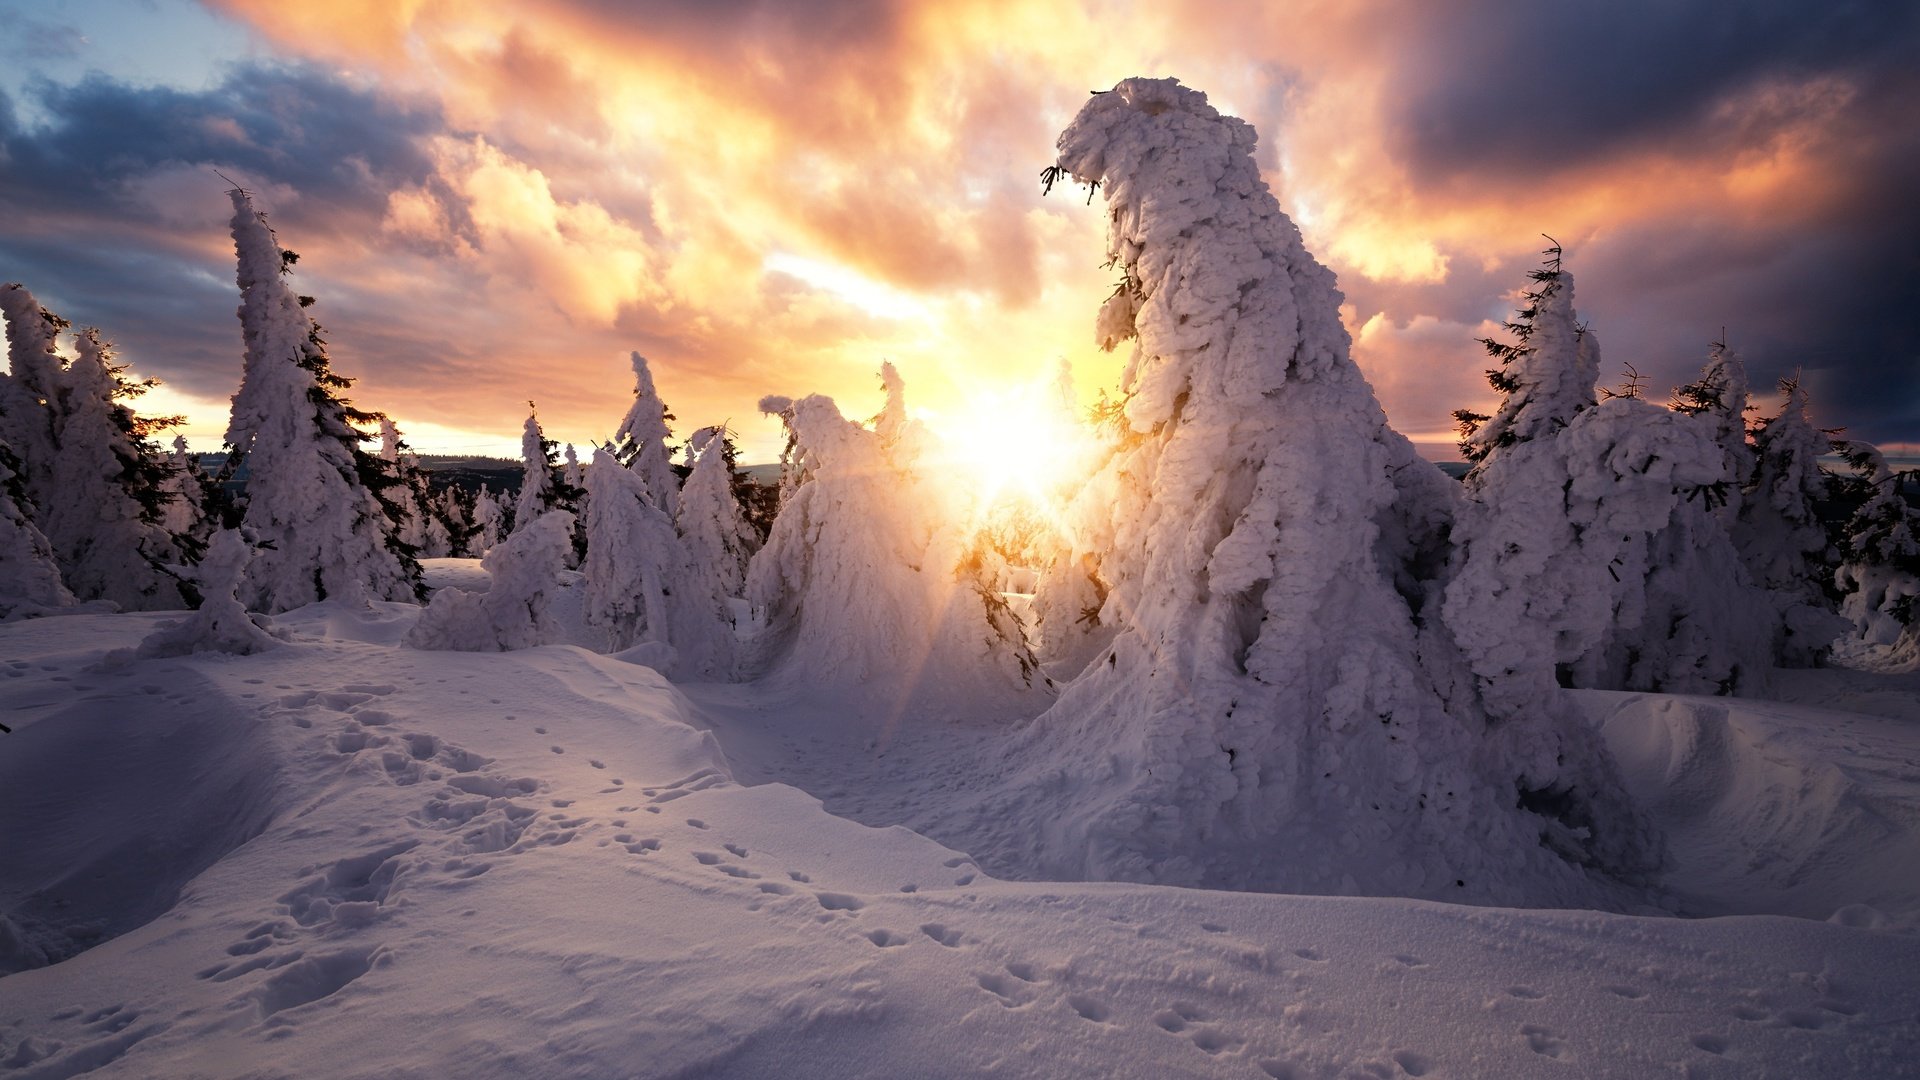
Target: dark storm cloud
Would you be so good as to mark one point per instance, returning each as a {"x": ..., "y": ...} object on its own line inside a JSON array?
[
  {"x": 1522, "y": 91},
  {"x": 91, "y": 234},
  {"x": 336, "y": 144}
]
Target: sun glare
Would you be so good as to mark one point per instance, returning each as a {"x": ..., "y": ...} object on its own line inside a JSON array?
[{"x": 1013, "y": 444}]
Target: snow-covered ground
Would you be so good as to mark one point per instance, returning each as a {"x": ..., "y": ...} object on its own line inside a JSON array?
[{"x": 343, "y": 857}]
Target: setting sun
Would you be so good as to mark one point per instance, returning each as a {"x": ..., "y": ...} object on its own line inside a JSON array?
[{"x": 1021, "y": 443}]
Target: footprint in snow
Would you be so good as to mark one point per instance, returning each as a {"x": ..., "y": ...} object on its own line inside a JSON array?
[
  {"x": 1543, "y": 1041},
  {"x": 1712, "y": 1044},
  {"x": 941, "y": 934},
  {"x": 886, "y": 939}
]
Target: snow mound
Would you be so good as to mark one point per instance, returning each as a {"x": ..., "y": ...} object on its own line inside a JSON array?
[{"x": 1772, "y": 808}]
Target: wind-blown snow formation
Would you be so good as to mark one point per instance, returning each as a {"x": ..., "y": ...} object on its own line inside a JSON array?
[
  {"x": 516, "y": 611},
  {"x": 1270, "y": 714}
]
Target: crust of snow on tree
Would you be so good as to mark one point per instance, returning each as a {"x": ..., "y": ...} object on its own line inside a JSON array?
[
  {"x": 1267, "y": 715},
  {"x": 516, "y": 610}
]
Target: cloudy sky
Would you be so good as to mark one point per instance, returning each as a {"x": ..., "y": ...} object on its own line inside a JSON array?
[{"x": 495, "y": 200}]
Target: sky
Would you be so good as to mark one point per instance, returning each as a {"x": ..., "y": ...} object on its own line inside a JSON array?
[{"x": 496, "y": 200}]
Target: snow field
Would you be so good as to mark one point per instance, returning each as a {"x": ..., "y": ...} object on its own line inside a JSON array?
[{"x": 533, "y": 864}]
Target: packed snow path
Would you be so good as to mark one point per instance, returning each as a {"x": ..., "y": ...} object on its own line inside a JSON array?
[{"x": 394, "y": 862}]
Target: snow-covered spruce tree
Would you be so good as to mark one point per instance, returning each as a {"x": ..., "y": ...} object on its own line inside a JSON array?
[
  {"x": 717, "y": 537},
  {"x": 30, "y": 390},
  {"x": 221, "y": 624},
  {"x": 1780, "y": 536},
  {"x": 490, "y": 523},
  {"x": 543, "y": 485},
  {"x": 404, "y": 488},
  {"x": 1589, "y": 553},
  {"x": 1879, "y": 580},
  {"x": 1269, "y": 714},
  {"x": 850, "y": 592},
  {"x": 641, "y": 441},
  {"x": 314, "y": 502},
  {"x": 107, "y": 500},
  {"x": 455, "y": 515},
  {"x": 184, "y": 512},
  {"x": 29, "y": 580},
  {"x": 643, "y": 588},
  {"x": 516, "y": 610},
  {"x": 1718, "y": 398}
]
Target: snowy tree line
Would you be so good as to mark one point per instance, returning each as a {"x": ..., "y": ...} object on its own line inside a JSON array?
[{"x": 1259, "y": 620}]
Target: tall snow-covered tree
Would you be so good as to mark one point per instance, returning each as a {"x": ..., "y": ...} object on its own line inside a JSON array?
[
  {"x": 29, "y": 392},
  {"x": 1780, "y": 535},
  {"x": 1269, "y": 714},
  {"x": 718, "y": 538},
  {"x": 516, "y": 611},
  {"x": 643, "y": 587},
  {"x": 313, "y": 494},
  {"x": 106, "y": 506},
  {"x": 641, "y": 441},
  {"x": 29, "y": 579}
]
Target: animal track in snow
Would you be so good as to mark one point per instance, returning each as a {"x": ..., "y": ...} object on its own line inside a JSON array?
[
  {"x": 1712, "y": 1044},
  {"x": 839, "y": 901},
  {"x": 886, "y": 939}
]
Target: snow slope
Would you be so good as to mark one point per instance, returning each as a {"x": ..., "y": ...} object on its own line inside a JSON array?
[{"x": 343, "y": 858}]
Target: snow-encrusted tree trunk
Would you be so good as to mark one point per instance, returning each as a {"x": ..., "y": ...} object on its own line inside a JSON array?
[
  {"x": 643, "y": 588},
  {"x": 717, "y": 536},
  {"x": 1779, "y": 534},
  {"x": 29, "y": 579},
  {"x": 641, "y": 441},
  {"x": 107, "y": 494},
  {"x": 312, "y": 494},
  {"x": 1880, "y": 577},
  {"x": 516, "y": 611},
  {"x": 1268, "y": 714}
]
